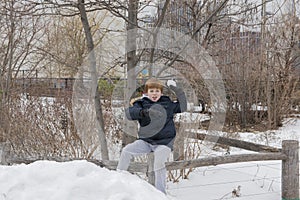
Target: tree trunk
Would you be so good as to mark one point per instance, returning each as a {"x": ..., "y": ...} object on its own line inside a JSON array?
[
  {"x": 131, "y": 63},
  {"x": 92, "y": 61}
]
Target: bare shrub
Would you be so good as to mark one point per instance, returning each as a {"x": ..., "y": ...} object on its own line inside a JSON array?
[{"x": 42, "y": 127}]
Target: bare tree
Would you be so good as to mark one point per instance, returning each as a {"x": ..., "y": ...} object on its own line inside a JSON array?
[
  {"x": 19, "y": 38},
  {"x": 20, "y": 35},
  {"x": 73, "y": 9},
  {"x": 64, "y": 47},
  {"x": 281, "y": 83}
]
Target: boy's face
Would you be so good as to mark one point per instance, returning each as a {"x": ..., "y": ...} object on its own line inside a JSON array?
[{"x": 154, "y": 94}]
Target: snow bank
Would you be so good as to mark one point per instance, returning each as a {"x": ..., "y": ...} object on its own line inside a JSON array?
[{"x": 76, "y": 180}]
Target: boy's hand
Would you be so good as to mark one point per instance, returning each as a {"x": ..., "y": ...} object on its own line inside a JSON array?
[{"x": 173, "y": 86}]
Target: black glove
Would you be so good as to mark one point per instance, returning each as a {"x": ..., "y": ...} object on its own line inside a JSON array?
[{"x": 144, "y": 112}]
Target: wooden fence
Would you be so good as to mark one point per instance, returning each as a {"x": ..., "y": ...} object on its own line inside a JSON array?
[{"x": 289, "y": 154}]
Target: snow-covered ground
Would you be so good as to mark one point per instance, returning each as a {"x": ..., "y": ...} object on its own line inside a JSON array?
[{"x": 81, "y": 180}]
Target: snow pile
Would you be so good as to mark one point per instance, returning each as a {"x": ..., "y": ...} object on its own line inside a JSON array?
[{"x": 76, "y": 180}]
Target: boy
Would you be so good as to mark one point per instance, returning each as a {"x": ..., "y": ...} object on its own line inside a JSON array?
[{"x": 154, "y": 113}]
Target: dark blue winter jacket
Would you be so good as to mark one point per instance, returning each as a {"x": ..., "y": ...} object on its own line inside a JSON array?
[{"x": 158, "y": 127}]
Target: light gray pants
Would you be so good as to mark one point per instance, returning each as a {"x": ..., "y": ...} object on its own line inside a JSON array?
[{"x": 140, "y": 147}]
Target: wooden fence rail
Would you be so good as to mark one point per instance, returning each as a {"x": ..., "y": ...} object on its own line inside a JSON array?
[
  {"x": 289, "y": 154},
  {"x": 218, "y": 160},
  {"x": 232, "y": 142}
]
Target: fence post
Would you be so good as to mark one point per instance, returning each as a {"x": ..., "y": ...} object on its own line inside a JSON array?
[
  {"x": 4, "y": 151},
  {"x": 150, "y": 171},
  {"x": 290, "y": 170}
]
